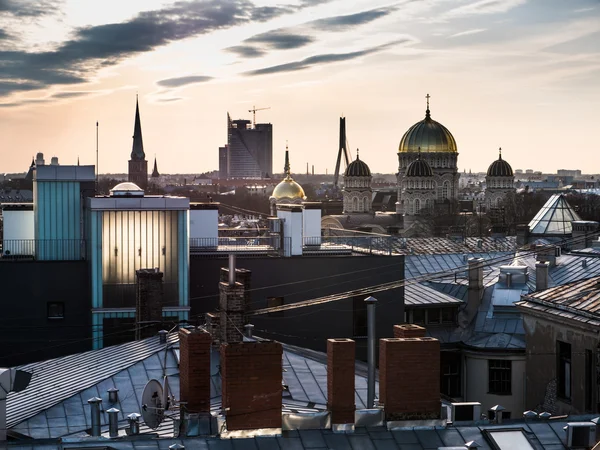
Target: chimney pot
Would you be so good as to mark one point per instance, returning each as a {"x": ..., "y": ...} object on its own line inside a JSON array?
[
  {"x": 94, "y": 403},
  {"x": 113, "y": 395},
  {"x": 134, "y": 424},
  {"x": 249, "y": 328},
  {"x": 340, "y": 380},
  {"x": 113, "y": 422},
  {"x": 162, "y": 336}
]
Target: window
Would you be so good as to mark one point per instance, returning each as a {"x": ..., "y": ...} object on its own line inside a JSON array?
[
  {"x": 434, "y": 316},
  {"x": 273, "y": 302},
  {"x": 354, "y": 204},
  {"x": 417, "y": 206},
  {"x": 563, "y": 351},
  {"x": 431, "y": 316},
  {"x": 359, "y": 316},
  {"x": 588, "y": 381},
  {"x": 499, "y": 376},
  {"x": 365, "y": 207},
  {"x": 418, "y": 316},
  {"x": 450, "y": 374},
  {"x": 56, "y": 310},
  {"x": 448, "y": 315}
]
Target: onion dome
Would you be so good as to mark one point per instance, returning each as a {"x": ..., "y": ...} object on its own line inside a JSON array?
[
  {"x": 428, "y": 134},
  {"x": 288, "y": 188},
  {"x": 419, "y": 168},
  {"x": 357, "y": 168},
  {"x": 500, "y": 168}
]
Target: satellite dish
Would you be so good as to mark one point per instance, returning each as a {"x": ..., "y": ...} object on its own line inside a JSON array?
[
  {"x": 152, "y": 404},
  {"x": 166, "y": 393}
]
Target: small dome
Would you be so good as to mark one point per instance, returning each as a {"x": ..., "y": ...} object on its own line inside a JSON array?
[
  {"x": 288, "y": 188},
  {"x": 500, "y": 168},
  {"x": 357, "y": 168},
  {"x": 419, "y": 168},
  {"x": 126, "y": 189},
  {"x": 431, "y": 136}
]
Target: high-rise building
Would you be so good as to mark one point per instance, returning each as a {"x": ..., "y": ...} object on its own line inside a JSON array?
[
  {"x": 249, "y": 149},
  {"x": 138, "y": 166},
  {"x": 223, "y": 162}
]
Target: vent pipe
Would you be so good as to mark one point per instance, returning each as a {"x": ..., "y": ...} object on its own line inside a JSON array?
[
  {"x": 162, "y": 336},
  {"x": 113, "y": 422},
  {"x": 248, "y": 330},
  {"x": 113, "y": 395},
  {"x": 371, "y": 340},
  {"x": 498, "y": 412},
  {"x": 94, "y": 403},
  {"x": 231, "y": 269},
  {"x": 541, "y": 276},
  {"x": 509, "y": 280},
  {"x": 133, "y": 420}
]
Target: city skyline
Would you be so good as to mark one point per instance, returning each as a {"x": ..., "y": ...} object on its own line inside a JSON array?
[{"x": 521, "y": 75}]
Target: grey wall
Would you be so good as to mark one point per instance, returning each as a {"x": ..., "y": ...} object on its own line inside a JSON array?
[
  {"x": 26, "y": 333},
  {"x": 303, "y": 278}
]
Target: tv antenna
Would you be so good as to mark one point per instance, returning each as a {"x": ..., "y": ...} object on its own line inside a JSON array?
[{"x": 253, "y": 111}]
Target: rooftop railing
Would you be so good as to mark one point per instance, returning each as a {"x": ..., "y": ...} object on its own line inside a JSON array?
[{"x": 43, "y": 249}]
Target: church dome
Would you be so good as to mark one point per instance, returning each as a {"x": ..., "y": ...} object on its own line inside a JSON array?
[
  {"x": 357, "y": 168},
  {"x": 419, "y": 168},
  {"x": 431, "y": 136},
  {"x": 500, "y": 168},
  {"x": 288, "y": 188}
]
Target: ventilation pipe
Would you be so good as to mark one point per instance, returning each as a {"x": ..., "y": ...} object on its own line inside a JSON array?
[
  {"x": 231, "y": 269},
  {"x": 541, "y": 275},
  {"x": 248, "y": 330},
  {"x": 94, "y": 403},
  {"x": 371, "y": 340},
  {"x": 498, "y": 412},
  {"x": 162, "y": 336},
  {"x": 113, "y": 422},
  {"x": 133, "y": 421},
  {"x": 113, "y": 395},
  {"x": 509, "y": 280}
]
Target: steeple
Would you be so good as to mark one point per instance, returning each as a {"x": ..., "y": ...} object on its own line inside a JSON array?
[
  {"x": 427, "y": 111},
  {"x": 137, "y": 152},
  {"x": 286, "y": 167},
  {"x": 155, "y": 173}
]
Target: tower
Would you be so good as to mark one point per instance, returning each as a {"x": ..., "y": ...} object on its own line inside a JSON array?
[
  {"x": 287, "y": 191},
  {"x": 418, "y": 190},
  {"x": 433, "y": 143},
  {"x": 357, "y": 193},
  {"x": 138, "y": 166},
  {"x": 155, "y": 173},
  {"x": 499, "y": 181}
]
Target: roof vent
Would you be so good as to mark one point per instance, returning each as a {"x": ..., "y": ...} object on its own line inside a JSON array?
[
  {"x": 581, "y": 434},
  {"x": 496, "y": 413},
  {"x": 133, "y": 421},
  {"x": 162, "y": 336},
  {"x": 584, "y": 263},
  {"x": 113, "y": 422},
  {"x": 465, "y": 412},
  {"x": 528, "y": 415},
  {"x": 95, "y": 415},
  {"x": 113, "y": 395},
  {"x": 544, "y": 415}
]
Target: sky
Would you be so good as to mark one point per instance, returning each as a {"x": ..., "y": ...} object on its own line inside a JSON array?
[{"x": 523, "y": 75}]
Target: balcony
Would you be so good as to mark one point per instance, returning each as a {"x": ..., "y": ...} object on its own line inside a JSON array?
[{"x": 43, "y": 249}]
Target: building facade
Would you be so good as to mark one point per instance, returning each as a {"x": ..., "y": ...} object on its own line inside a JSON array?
[
  {"x": 249, "y": 149},
  {"x": 357, "y": 193},
  {"x": 433, "y": 143},
  {"x": 138, "y": 166}
]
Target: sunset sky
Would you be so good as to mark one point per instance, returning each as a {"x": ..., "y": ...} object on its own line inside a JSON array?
[{"x": 523, "y": 75}]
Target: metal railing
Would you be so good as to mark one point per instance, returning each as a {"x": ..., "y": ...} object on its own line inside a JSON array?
[
  {"x": 43, "y": 249},
  {"x": 258, "y": 245}
]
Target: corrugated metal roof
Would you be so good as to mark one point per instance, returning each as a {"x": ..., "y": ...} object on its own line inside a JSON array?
[
  {"x": 60, "y": 378},
  {"x": 421, "y": 295}
]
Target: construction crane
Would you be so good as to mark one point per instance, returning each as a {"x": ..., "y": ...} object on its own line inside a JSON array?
[{"x": 253, "y": 111}]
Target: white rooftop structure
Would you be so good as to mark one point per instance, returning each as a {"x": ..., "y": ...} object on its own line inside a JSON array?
[{"x": 554, "y": 218}]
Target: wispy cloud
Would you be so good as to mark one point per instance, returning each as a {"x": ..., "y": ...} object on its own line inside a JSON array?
[
  {"x": 468, "y": 32},
  {"x": 281, "y": 40},
  {"x": 183, "y": 81},
  {"x": 28, "y": 9},
  {"x": 72, "y": 94},
  {"x": 95, "y": 47},
  {"x": 317, "y": 60},
  {"x": 342, "y": 22},
  {"x": 246, "y": 51},
  {"x": 483, "y": 7},
  {"x": 169, "y": 100}
]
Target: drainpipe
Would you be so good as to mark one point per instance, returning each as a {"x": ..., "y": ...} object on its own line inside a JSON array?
[{"x": 371, "y": 340}]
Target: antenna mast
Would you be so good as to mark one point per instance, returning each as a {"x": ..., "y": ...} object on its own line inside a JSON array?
[{"x": 97, "y": 172}]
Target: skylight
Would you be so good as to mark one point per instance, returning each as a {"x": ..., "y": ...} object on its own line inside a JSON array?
[{"x": 509, "y": 439}]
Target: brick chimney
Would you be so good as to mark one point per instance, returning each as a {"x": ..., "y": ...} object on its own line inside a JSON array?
[
  {"x": 408, "y": 330},
  {"x": 234, "y": 300},
  {"x": 474, "y": 293},
  {"x": 194, "y": 369},
  {"x": 409, "y": 378},
  {"x": 340, "y": 380},
  {"x": 148, "y": 302},
  {"x": 251, "y": 374}
]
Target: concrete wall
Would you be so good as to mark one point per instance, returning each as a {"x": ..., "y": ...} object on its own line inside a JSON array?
[
  {"x": 303, "y": 278},
  {"x": 26, "y": 332},
  {"x": 476, "y": 383},
  {"x": 18, "y": 227},
  {"x": 542, "y": 334}
]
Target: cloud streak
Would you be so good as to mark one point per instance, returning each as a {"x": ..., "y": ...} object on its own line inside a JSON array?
[
  {"x": 318, "y": 60},
  {"x": 94, "y": 47},
  {"x": 28, "y": 9},
  {"x": 468, "y": 32},
  {"x": 183, "y": 81},
  {"x": 337, "y": 23}
]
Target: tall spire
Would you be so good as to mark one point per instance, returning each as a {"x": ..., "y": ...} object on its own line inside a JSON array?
[
  {"x": 286, "y": 167},
  {"x": 427, "y": 112},
  {"x": 155, "y": 173},
  {"x": 137, "y": 152}
]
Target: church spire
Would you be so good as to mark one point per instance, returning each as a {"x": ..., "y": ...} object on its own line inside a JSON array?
[
  {"x": 137, "y": 152},
  {"x": 427, "y": 111},
  {"x": 286, "y": 167},
  {"x": 155, "y": 173}
]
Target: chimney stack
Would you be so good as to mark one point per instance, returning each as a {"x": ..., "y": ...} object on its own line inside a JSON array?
[
  {"x": 292, "y": 228},
  {"x": 251, "y": 374},
  {"x": 194, "y": 369},
  {"x": 149, "y": 302},
  {"x": 475, "y": 291},
  {"x": 408, "y": 330},
  {"x": 340, "y": 380},
  {"x": 541, "y": 275},
  {"x": 409, "y": 378}
]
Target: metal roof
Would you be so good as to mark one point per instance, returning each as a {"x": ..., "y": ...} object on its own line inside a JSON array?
[{"x": 421, "y": 295}]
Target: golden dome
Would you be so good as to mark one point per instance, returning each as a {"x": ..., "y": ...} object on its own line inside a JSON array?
[
  {"x": 288, "y": 188},
  {"x": 428, "y": 135}
]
